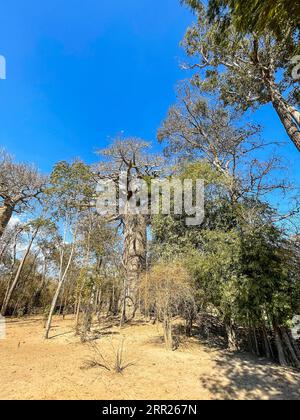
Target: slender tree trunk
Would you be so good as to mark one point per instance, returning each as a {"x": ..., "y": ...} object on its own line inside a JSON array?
[
  {"x": 6, "y": 212},
  {"x": 99, "y": 305},
  {"x": 268, "y": 347},
  {"x": 61, "y": 302},
  {"x": 58, "y": 290},
  {"x": 3, "y": 250},
  {"x": 37, "y": 294},
  {"x": 78, "y": 309},
  {"x": 78, "y": 314},
  {"x": 134, "y": 260},
  {"x": 16, "y": 308},
  {"x": 64, "y": 313},
  {"x": 11, "y": 278},
  {"x": 17, "y": 276},
  {"x": 255, "y": 342},
  {"x": 52, "y": 309},
  {"x": 87, "y": 261},
  {"x": 88, "y": 316}
]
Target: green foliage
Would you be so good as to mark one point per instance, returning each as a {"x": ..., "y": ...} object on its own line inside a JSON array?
[
  {"x": 72, "y": 186},
  {"x": 258, "y": 15},
  {"x": 233, "y": 65},
  {"x": 246, "y": 70},
  {"x": 202, "y": 169},
  {"x": 215, "y": 269},
  {"x": 253, "y": 16},
  {"x": 243, "y": 267},
  {"x": 242, "y": 273},
  {"x": 171, "y": 235}
]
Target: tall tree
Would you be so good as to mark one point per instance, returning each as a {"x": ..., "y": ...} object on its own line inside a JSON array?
[
  {"x": 130, "y": 159},
  {"x": 198, "y": 129},
  {"x": 246, "y": 71},
  {"x": 71, "y": 191},
  {"x": 258, "y": 15},
  {"x": 19, "y": 185}
]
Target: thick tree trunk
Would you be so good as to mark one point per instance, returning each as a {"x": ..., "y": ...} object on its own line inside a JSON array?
[
  {"x": 289, "y": 115},
  {"x": 289, "y": 122},
  {"x": 134, "y": 261},
  {"x": 294, "y": 113},
  {"x": 6, "y": 212},
  {"x": 17, "y": 276}
]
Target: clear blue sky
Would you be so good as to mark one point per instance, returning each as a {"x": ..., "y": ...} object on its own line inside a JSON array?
[{"x": 81, "y": 71}]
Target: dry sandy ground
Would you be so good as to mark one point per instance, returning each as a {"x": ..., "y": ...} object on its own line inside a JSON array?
[{"x": 31, "y": 368}]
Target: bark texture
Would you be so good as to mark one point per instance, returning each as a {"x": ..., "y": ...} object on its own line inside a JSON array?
[
  {"x": 289, "y": 123},
  {"x": 231, "y": 335},
  {"x": 134, "y": 260},
  {"x": 6, "y": 212}
]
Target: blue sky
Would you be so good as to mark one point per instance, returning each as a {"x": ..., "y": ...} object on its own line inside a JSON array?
[{"x": 79, "y": 72}]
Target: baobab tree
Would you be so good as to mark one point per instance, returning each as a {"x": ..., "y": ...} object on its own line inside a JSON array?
[
  {"x": 130, "y": 159},
  {"x": 19, "y": 185}
]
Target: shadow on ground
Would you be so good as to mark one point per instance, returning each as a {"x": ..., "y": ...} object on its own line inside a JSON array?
[{"x": 249, "y": 376}]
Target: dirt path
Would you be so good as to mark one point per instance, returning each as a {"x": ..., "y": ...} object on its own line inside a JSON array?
[{"x": 31, "y": 368}]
